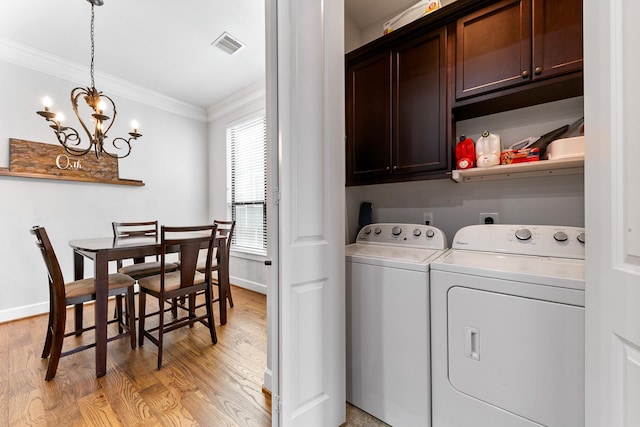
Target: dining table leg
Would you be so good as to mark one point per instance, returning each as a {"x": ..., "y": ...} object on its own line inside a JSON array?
[
  {"x": 223, "y": 283},
  {"x": 102, "y": 295}
]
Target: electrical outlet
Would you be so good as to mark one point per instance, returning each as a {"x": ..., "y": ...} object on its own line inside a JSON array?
[
  {"x": 490, "y": 218},
  {"x": 427, "y": 218}
]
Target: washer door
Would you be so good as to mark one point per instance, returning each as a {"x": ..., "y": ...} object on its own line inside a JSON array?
[{"x": 522, "y": 355}]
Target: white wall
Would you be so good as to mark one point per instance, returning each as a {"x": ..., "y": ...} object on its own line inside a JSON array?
[
  {"x": 557, "y": 200},
  {"x": 170, "y": 158},
  {"x": 245, "y": 270}
]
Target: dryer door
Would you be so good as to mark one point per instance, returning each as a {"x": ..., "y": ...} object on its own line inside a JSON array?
[{"x": 522, "y": 355}]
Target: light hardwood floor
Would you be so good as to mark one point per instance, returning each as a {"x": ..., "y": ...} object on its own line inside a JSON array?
[{"x": 199, "y": 384}]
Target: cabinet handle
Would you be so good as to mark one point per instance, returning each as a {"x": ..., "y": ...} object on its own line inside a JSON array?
[
  {"x": 538, "y": 70},
  {"x": 387, "y": 168},
  {"x": 395, "y": 167},
  {"x": 525, "y": 74}
]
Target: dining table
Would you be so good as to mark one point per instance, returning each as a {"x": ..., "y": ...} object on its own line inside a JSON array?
[{"x": 102, "y": 250}]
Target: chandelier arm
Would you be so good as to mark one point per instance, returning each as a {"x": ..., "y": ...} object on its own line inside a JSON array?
[
  {"x": 115, "y": 113},
  {"x": 65, "y": 134},
  {"x": 115, "y": 145},
  {"x": 75, "y": 94}
]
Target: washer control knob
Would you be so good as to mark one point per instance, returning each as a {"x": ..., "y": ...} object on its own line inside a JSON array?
[
  {"x": 581, "y": 237},
  {"x": 367, "y": 230},
  {"x": 378, "y": 230},
  {"x": 523, "y": 234},
  {"x": 561, "y": 236},
  {"x": 396, "y": 230},
  {"x": 430, "y": 234},
  {"x": 417, "y": 232}
]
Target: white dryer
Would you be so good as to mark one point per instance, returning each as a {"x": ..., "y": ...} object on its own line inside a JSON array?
[
  {"x": 507, "y": 313},
  {"x": 387, "y": 317}
]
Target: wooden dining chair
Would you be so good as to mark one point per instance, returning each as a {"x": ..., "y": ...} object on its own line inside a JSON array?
[
  {"x": 185, "y": 284},
  {"x": 63, "y": 295},
  {"x": 225, "y": 228},
  {"x": 138, "y": 270}
]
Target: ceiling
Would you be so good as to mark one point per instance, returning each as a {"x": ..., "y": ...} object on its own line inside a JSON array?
[{"x": 161, "y": 45}]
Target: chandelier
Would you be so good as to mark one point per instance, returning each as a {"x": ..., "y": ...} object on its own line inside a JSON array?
[{"x": 99, "y": 103}]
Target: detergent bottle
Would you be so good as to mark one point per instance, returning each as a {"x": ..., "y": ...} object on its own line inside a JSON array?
[
  {"x": 488, "y": 149},
  {"x": 465, "y": 153}
]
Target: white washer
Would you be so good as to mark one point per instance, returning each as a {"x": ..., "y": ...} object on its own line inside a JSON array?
[
  {"x": 387, "y": 282},
  {"x": 507, "y": 313}
]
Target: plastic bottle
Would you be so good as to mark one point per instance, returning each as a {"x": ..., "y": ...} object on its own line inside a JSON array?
[
  {"x": 488, "y": 150},
  {"x": 465, "y": 153}
]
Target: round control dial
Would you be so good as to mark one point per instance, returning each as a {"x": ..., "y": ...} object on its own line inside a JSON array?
[
  {"x": 581, "y": 237},
  {"x": 367, "y": 230},
  {"x": 396, "y": 231},
  {"x": 430, "y": 233},
  {"x": 523, "y": 234},
  {"x": 417, "y": 232},
  {"x": 378, "y": 230},
  {"x": 560, "y": 236}
]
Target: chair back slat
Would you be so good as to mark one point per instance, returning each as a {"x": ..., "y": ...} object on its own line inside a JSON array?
[
  {"x": 225, "y": 228},
  {"x": 190, "y": 240},
  {"x": 54, "y": 272},
  {"x": 135, "y": 229}
]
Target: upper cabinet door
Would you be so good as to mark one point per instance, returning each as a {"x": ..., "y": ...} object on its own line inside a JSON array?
[
  {"x": 369, "y": 117},
  {"x": 420, "y": 110},
  {"x": 557, "y": 37},
  {"x": 493, "y": 48}
]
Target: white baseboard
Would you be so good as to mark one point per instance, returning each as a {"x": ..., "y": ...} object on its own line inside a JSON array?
[
  {"x": 247, "y": 284},
  {"x": 24, "y": 311},
  {"x": 268, "y": 378}
]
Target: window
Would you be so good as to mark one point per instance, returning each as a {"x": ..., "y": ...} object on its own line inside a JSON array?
[{"x": 247, "y": 180}]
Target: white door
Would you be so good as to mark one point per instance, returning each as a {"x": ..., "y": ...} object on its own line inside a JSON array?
[
  {"x": 612, "y": 197},
  {"x": 310, "y": 103}
]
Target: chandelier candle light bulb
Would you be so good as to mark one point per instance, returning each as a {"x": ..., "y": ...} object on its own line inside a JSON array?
[{"x": 69, "y": 138}]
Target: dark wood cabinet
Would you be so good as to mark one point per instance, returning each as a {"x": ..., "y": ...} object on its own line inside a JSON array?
[
  {"x": 517, "y": 42},
  {"x": 369, "y": 117},
  {"x": 557, "y": 37},
  {"x": 397, "y": 114},
  {"x": 405, "y": 91}
]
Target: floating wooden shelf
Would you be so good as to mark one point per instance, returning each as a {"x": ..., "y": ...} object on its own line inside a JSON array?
[
  {"x": 29, "y": 159},
  {"x": 569, "y": 166},
  {"x": 7, "y": 172}
]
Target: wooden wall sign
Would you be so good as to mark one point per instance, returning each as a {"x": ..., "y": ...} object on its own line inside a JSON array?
[{"x": 30, "y": 159}]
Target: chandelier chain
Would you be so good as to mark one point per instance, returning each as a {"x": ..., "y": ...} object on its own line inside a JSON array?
[{"x": 92, "y": 47}]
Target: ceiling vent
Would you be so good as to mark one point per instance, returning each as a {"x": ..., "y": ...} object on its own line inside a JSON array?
[{"x": 228, "y": 43}]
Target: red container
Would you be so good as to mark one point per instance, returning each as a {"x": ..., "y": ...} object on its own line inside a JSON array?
[{"x": 465, "y": 153}]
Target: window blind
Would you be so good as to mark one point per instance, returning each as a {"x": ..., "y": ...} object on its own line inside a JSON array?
[{"x": 247, "y": 148}]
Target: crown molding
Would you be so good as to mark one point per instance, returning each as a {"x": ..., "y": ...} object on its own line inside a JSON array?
[
  {"x": 255, "y": 92},
  {"x": 43, "y": 62}
]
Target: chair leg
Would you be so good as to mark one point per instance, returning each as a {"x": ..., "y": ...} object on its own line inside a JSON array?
[
  {"x": 47, "y": 341},
  {"x": 160, "y": 331},
  {"x": 131, "y": 316},
  {"x": 208, "y": 294},
  {"x": 229, "y": 297},
  {"x": 119, "y": 314},
  {"x": 57, "y": 332},
  {"x": 78, "y": 319},
  {"x": 142, "y": 297}
]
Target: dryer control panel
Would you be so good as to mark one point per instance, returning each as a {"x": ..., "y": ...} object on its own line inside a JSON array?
[
  {"x": 408, "y": 235},
  {"x": 541, "y": 240}
]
